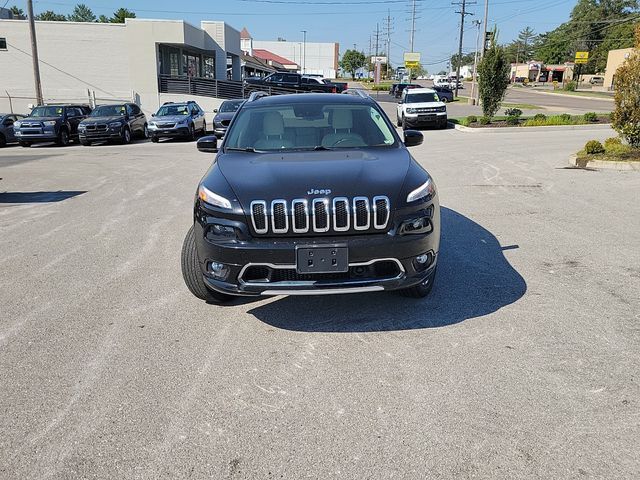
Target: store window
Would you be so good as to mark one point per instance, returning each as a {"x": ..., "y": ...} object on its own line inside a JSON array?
[
  {"x": 209, "y": 67},
  {"x": 190, "y": 64}
]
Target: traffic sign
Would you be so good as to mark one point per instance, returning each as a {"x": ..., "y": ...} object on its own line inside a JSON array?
[
  {"x": 582, "y": 57},
  {"x": 411, "y": 64},
  {"x": 412, "y": 57}
]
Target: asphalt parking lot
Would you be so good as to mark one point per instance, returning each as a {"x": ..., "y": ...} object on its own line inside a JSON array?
[{"x": 523, "y": 362}]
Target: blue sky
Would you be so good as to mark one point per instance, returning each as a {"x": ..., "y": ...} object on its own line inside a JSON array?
[{"x": 348, "y": 21}]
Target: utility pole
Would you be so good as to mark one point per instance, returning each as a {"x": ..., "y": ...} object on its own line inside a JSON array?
[
  {"x": 34, "y": 53},
  {"x": 413, "y": 31},
  {"x": 474, "y": 80},
  {"x": 486, "y": 19},
  {"x": 463, "y": 13},
  {"x": 388, "y": 49},
  {"x": 304, "y": 50}
]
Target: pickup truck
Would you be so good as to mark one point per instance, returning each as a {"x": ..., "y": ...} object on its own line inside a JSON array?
[{"x": 292, "y": 81}]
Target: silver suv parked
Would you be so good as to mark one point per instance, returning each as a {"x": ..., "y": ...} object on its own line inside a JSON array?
[{"x": 184, "y": 119}]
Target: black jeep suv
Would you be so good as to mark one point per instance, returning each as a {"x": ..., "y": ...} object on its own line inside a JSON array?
[
  {"x": 312, "y": 194},
  {"x": 117, "y": 123},
  {"x": 50, "y": 123}
]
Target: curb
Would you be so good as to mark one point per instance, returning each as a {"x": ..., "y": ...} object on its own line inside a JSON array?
[
  {"x": 604, "y": 165},
  {"x": 598, "y": 126},
  {"x": 573, "y": 96}
]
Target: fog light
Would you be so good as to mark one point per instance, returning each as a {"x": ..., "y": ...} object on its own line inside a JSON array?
[
  {"x": 219, "y": 270},
  {"x": 422, "y": 262},
  {"x": 223, "y": 230},
  {"x": 424, "y": 258}
]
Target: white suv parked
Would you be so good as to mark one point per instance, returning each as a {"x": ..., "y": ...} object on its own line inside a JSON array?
[{"x": 420, "y": 107}]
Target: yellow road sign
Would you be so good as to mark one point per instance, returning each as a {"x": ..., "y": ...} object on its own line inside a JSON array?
[
  {"x": 411, "y": 64},
  {"x": 582, "y": 57},
  {"x": 581, "y": 60}
]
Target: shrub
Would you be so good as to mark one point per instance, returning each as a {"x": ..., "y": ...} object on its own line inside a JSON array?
[
  {"x": 493, "y": 73},
  {"x": 485, "y": 120},
  {"x": 472, "y": 119},
  {"x": 609, "y": 142},
  {"x": 593, "y": 147},
  {"x": 618, "y": 149},
  {"x": 571, "y": 86},
  {"x": 565, "y": 117},
  {"x": 590, "y": 117},
  {"x": 540, "y": 117},
  {"x": 513, "y": 120},
  {"x": 626, "y": 116},
  {"x": 513, "y": 112}
]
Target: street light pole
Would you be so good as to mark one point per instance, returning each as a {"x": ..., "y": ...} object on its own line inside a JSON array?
[
  {"x": 486, "y": 19},
  {"x": 34, "y": 53},
  {"x": 304, "y": 50},
  {"x": 474, "y": 74}
]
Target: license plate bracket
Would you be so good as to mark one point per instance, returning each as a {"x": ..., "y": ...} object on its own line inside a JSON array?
[{"x": 322, "y": 259}]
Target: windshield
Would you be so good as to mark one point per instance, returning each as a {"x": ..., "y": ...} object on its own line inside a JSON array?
[
  {"x": 167, "y": 110},
  {"x": 50, "y": 111},
  {"x": 230, "y": 106},
  {"x": 108, "y": 111},
  {"x": 422, "y": 98},
  {"x": 309, "y": 126}
]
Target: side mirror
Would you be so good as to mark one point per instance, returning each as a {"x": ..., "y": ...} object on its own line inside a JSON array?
[
  {"x": 215, "y": 110},
  {"x": 413, "y": 138},
  {"x": 208, "y": 144}
]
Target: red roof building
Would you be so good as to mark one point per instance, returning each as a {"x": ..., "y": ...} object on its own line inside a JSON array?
[{"x": 275, "y": 60}]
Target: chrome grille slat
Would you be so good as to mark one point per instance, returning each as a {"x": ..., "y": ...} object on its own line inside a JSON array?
[{"x": 320, "y": 215}]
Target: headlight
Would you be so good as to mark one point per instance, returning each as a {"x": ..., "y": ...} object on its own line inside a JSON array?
[
  {"x": 442, "y": 109},
  {"x": 207, "y": 196},
  {"x": 16, "y": 124},
  {"x": 115, "y": 125},
  {"x": 427, "y": 189},
  {"x": 152, "y": 124},
  {"x": 82, "y": 127},
  {"x": 50, "y": 123},
  {"x": 184, "y": 120},
  {"x": 411, "y": 110}
]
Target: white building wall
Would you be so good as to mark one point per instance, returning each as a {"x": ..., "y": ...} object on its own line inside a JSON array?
[
  {"x": 119, "y": 62},
  {"x": 320, "y": 58},
  {"x": 73, "y": 59}
]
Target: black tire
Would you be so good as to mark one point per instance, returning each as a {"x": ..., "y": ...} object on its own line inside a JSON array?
[
  {"x": 3, "y": 141},
  {"x": 444, "y": 100},
  {"x": 398, "y": 121},
  {"x": 404, "y": 123},
  {"x": 85, "y": 143},
  {"x": 25, "y": 144},
  {"x": 422, "y": 289},
  {"x": 126, "y": 136},
  {"x": 145, "y": 131},
  {"x": 155, "y": 139},
  {"x": 204, "y": 128},
  {"x": 443, "y": 124},
  {"x": 63, "y": 138},
  {"x": 192, "y": 274},
  {"x": 192, "y": 132}
]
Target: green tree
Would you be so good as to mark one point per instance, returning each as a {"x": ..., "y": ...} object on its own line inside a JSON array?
[
  {"x": 120, "y": 14},
  {"x": 51, "y": 16},
  {"x": 522, "y": 49},
  {"x": 352, "y": 60},
  {"x": 82, "y": 13},
  {"x": 626, "y": 116},
  {"x": 493, "y": 73},
  {"x": 17, "y": 11},
  {"x": 466, "y": 59},
  {"x": 103, "y": 19}
]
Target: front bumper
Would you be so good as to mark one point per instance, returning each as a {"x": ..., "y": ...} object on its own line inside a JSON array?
[
  {"x": 33, "y": 137},
  {"x": 101, "y": 135},
  {"x": 278, "y": 255},
  {"x": 426, "y": 119},
  {"x": 169, "y": 132}
]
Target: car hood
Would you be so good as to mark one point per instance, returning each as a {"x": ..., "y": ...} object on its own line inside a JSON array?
[
  {"x": 170, "y": 118},
  {"x": 224, "y": 116},
  {"x": 114, "y": 118},
  {"x": 425, "y": 105},
  {"x": 39, "y": 119},
  {"x": 346, "y": 173}
]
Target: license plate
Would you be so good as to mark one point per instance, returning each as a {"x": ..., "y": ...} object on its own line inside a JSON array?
[{"x": 325, "y": 259}]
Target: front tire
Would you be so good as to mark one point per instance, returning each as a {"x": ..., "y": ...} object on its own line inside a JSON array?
[
  {"x": 204, "y": 128},
  {"x": 192, "y": 274},
  {"x": 444, "y": 100},
  {"x": 192, "y": 132},
  {"x": 155, "y": 139},
  {"x": 25, "y": 144},
  {"x": 145, "y": 131},
  {"x": 404, "y": 123},
  {"x": 422, "y": 289},
  {"x": 63, "y": 138},
  {"x": 3, "y": 141},
  {"x": 126, "y": 136},
  {"x": 85, "y": 143},
  {"x": 398, "y": 121}
]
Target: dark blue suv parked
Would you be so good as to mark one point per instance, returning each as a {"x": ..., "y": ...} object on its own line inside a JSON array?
[{"x": 51, "y": 123}]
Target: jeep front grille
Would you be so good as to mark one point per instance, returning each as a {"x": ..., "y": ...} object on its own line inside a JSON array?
[{"x": 320, "y": 215}]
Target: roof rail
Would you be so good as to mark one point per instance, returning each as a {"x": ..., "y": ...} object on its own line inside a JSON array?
[{"x": 256, "y": 95}]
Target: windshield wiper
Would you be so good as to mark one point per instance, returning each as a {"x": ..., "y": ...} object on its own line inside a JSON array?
[
  {"x": 240, "y": 149},
  {"x": 321, "y": 147}
]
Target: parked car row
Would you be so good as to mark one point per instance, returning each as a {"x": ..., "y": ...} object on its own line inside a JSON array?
[
  {"x": 297, "y": 82},
  {"x": 116, "y": 123}
]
